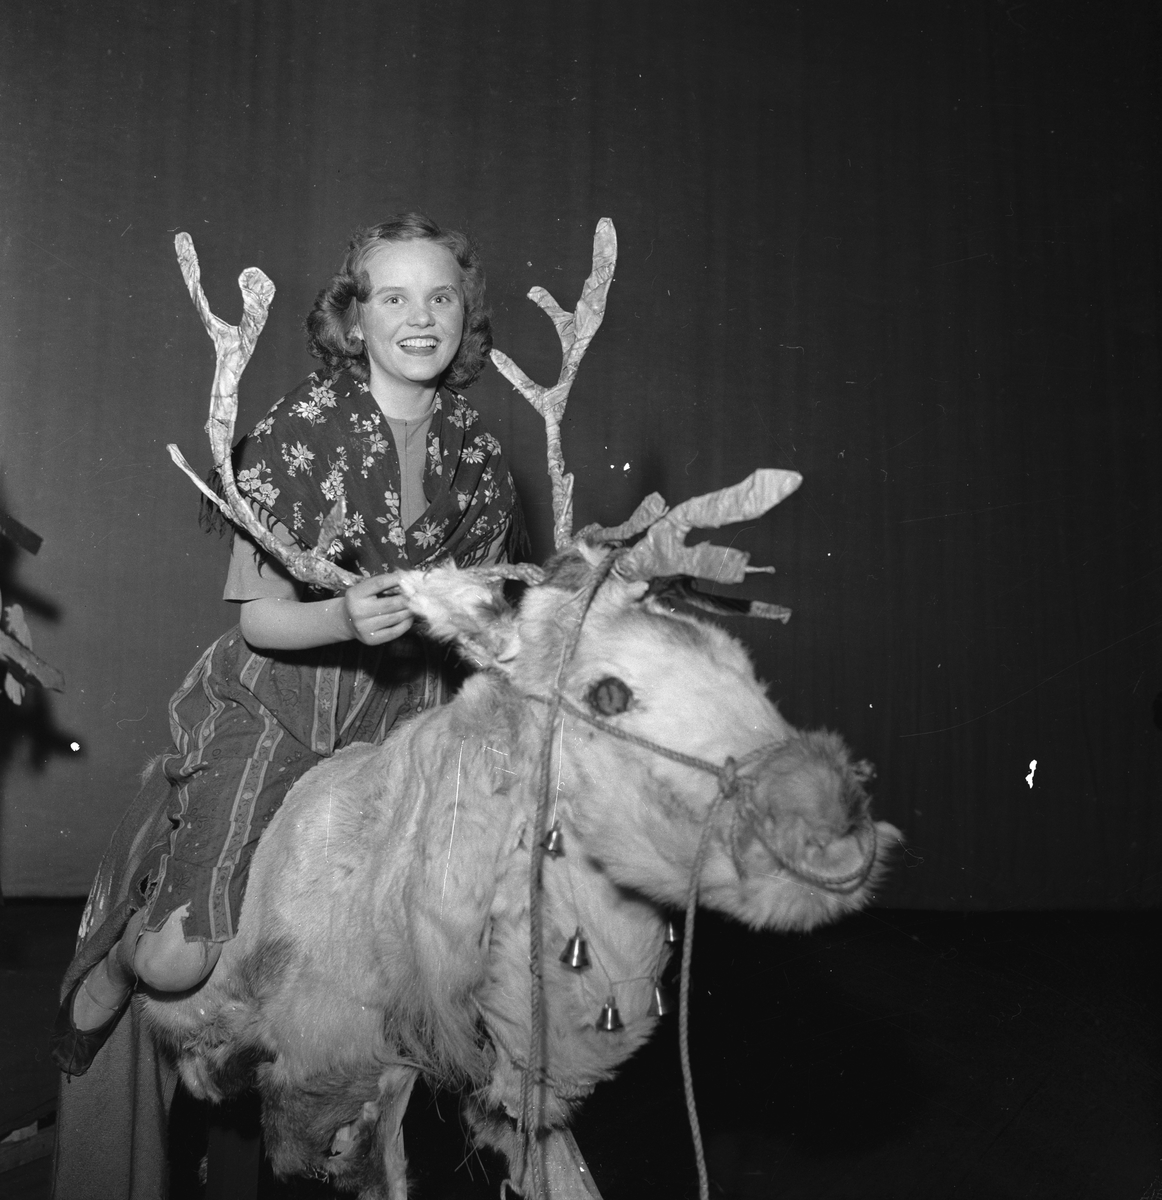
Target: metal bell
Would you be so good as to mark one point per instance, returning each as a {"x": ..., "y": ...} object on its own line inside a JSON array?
[
  {"x": 554, "y": 842},
  {"x": 662, "y": 1002},
  {"x": 610, "y": 1019},
  {"x": 576, "y": 953},
  {"x": 671, "y": 934}
]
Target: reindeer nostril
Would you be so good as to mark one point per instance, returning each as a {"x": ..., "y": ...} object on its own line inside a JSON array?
[{"x": 609, "y": 696}]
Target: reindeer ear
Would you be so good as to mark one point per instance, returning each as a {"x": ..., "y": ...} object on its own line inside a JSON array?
[{"x": 458, "y": 606}]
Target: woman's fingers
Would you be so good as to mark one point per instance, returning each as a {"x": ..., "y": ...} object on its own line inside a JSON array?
[
  {"x": 379, "y": 593},
  {"x": 385, "y": 620},
  {"x": 398, "y": 629},
  {"x": 384, "y": 629},
  {"x": 374, "y": 585},
  {"x": 376, "y": 612},
  {"x": 372, "y": 608}
]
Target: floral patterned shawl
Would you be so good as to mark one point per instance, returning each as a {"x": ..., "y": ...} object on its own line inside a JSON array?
[{"x": 327, "y": 438}]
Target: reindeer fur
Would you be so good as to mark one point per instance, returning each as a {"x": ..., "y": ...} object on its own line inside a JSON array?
[{"x": 385, "y": 931}]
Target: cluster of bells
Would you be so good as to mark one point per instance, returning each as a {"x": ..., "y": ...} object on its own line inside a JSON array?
[{"x": 576, "y": 956}]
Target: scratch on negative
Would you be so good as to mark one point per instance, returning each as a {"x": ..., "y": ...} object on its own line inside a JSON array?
[
  {"x": 1027, "y": 691},
  {"x": 452, "y": 835},
  {"x": 327, "y": 843},
  {"x": 502, "y": 753},
  {"x": 729, "y": 546},
  {"x": 560, "y": 762}
]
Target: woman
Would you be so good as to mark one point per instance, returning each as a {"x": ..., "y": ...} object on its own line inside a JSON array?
[{"x": 300, "y": 677}]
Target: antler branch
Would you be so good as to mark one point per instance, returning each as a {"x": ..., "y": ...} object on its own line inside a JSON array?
[
  {"x": 647, "y": 512},
  {"x": 233, "y": 346},
  {"x": 663, "y": 551},
  {"x": 575, "y": 330}
]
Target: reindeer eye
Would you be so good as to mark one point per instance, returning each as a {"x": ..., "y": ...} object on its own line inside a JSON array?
[{"x": 609, "y": 696}]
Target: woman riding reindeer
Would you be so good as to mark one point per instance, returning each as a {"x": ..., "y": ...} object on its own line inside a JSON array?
[{"x": 379, "y": 426}]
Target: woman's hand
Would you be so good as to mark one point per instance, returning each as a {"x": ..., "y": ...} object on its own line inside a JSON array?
[
  {"x": 375, "y": 610},
  {"x": 372, "y": 611}
]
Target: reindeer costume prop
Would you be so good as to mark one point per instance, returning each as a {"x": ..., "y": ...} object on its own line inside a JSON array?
[{"x": 610, "y": 760}]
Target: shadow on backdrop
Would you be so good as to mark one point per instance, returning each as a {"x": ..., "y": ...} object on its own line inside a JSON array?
[{"x": 28, "y": 727}]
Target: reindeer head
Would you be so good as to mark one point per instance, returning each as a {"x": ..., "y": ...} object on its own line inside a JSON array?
[{"x": 652, "y": 706}]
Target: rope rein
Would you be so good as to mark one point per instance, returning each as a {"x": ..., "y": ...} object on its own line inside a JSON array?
[
  {"x": 684, "y": 991},
  {"x": 534, "y": 1077}
]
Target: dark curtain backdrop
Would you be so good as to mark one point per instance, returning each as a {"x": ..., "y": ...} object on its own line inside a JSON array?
[{"x": 909, "y": 249}]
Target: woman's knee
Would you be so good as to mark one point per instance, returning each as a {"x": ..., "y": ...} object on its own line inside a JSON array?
[{"x": 164, "y": 960}]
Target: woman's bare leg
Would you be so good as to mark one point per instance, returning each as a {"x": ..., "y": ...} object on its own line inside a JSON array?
[
  {"x": 108, "y": 983},
  {"x": 161, "y": 959}
]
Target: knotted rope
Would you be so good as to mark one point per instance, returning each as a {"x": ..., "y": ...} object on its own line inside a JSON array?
[{"x": 741, "y": 789}]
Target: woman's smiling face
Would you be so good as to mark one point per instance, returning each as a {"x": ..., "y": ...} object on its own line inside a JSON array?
[{"x": 413, "y": 320}]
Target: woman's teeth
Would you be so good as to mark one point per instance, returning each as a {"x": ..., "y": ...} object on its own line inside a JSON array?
[{"x": 419, "y": 343}]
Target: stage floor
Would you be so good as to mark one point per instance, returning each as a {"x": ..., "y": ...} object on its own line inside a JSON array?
[{"x": 896, "y": 1056}]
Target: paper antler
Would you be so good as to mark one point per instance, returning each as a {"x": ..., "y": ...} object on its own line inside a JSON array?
[
  {"x": 233, "y": 346},
  {"x": 576, "y": 330},
  {"x": 647, "y": 512},
  {"x": 663, "y": 551}
]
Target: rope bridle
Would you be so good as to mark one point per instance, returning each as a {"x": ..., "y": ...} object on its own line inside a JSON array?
[{"x": 733, "y": 788}]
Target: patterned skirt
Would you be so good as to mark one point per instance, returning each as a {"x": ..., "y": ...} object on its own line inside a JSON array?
[{"x": 245, "y": 727}]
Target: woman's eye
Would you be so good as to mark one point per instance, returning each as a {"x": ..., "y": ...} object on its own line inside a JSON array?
[{"x": 609, "y": 696}]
